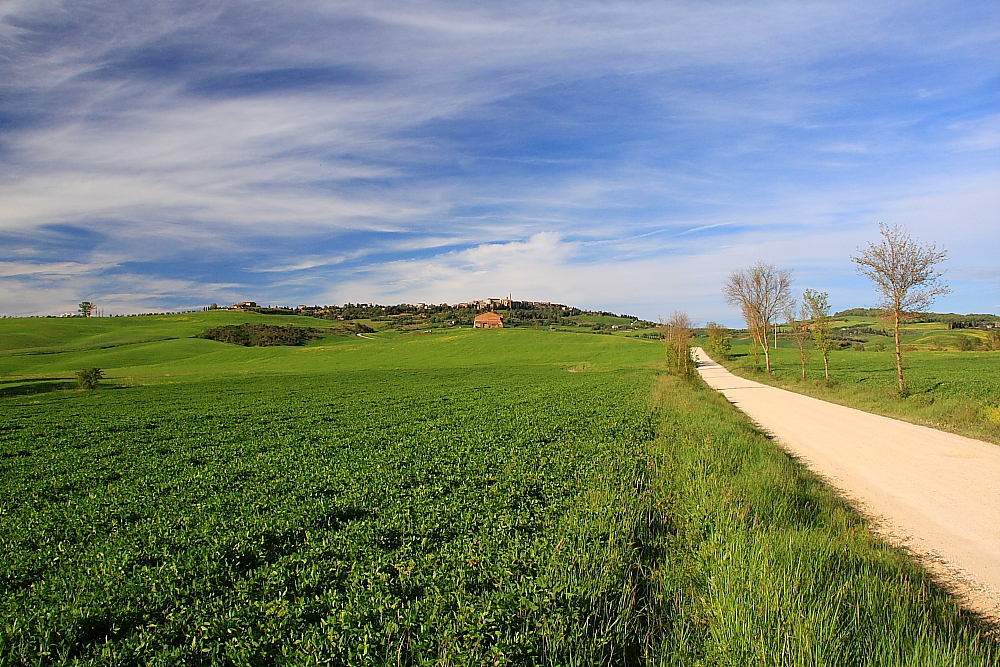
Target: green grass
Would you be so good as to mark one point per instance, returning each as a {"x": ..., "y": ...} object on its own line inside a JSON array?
[
  {"x": 43, "y": 335},
  {"x": 919, "y": 334},
  {"x": 765, "y": 565},
  {"x": 955, "y": 391},
  {"x": 156, "y": 352},
  {"x": 447, "y": 498}
]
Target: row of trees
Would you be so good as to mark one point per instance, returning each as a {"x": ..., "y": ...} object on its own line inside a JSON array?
[{"x": 903, "y": 271}]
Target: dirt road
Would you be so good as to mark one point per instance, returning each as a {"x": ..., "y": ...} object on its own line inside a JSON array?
[{"x": 937, "y": 493}]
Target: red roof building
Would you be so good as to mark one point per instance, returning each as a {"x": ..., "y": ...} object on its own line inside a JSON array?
[{"x": 488, "y": 320}]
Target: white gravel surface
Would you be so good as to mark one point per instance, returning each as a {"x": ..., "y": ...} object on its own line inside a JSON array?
[{"x": 936, "y": 493}]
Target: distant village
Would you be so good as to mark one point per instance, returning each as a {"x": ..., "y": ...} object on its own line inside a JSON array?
[
  {"x": 482, "y": 304},
  {"x": 492, "y": 313}
]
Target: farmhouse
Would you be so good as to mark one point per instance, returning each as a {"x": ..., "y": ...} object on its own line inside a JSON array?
[{"x": 488, "y": 320}]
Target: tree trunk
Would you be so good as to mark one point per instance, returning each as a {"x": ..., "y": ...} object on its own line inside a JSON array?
[
  {"x": 826, "y": 364},
  {"x": 899, "y": 352},
  {"x": 767, "y": 354}
]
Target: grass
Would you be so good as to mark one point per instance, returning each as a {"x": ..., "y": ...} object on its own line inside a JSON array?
[
  {"x": 447, "y": 498},
  {"x": 950, "y": 390},
  {"x": 767, "y": 566}
]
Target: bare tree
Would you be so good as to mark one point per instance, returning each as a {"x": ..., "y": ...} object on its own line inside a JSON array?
[
  {"x": 904, "y": 274},
  {"x": 817, "y": 303},
  {"x": 761, "y": 293},
  {"x": 798, "y": 325}
]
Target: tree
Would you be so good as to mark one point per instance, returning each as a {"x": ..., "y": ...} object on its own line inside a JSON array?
[
  {"x": 817, "y": 303},
  {"x": 718, "y": 341},
  {"x": 761, "y": 292},
  {"x": 86, "y": 308},
  {"x": 676, "y": 336},
  {"x": 904, "y": 274},
  {"x": 799, "y": 327},
  {"x": 994, "y": 339},
  {"x": 88, "y": 378}
]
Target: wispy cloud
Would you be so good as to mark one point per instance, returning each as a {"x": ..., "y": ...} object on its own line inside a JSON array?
[{"x": 294, "y": 150}]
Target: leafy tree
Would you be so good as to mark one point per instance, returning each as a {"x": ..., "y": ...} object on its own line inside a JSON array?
[
  {"x": 88, "y": 378},
  {"x": 799, "y": 327},
  {"x": 86, "y": 308},
  {"x": 761, "y": 292},
  {"x": 718, "y": 342},
  {"x": 817, "y": 303},
  {"x": 905, "y": 275}
]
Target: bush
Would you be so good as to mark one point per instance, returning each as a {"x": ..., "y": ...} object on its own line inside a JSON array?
[
  {"x": 966, "y": 344},
  {"x": 88, "y": 378},
  {"x": 260, "y": 335}
]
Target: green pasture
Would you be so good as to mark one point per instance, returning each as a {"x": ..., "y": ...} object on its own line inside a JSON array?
[
  {"x": 154, "y": 351},
  {"x": 919, "y": 334},
  {"x": 46, "y": 335},
  {"x": 454, "y": 497}
]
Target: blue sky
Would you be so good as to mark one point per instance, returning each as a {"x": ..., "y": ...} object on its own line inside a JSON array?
[{"x": 615, "y": 155}]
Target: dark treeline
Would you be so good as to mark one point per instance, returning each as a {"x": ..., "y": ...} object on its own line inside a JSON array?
[{"x": 261, "y": 335}]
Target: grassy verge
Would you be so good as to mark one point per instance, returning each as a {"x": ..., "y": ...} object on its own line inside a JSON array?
[
  {"x": 762, "y": 564},
  {"x": 949, "y": 390}
]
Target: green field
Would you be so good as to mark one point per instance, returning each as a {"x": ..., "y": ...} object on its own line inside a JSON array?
[
  {"x": 947, "y": 388},
  {"x": 507, "y": 497}
]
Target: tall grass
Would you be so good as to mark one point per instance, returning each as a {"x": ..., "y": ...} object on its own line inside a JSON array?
[{"x": 763, "y": 564}]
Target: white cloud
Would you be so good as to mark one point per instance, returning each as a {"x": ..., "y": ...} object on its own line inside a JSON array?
[{"x": 761, "y": 131}]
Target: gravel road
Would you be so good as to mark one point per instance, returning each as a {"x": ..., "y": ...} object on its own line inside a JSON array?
[{"x": 936, "y": 493}]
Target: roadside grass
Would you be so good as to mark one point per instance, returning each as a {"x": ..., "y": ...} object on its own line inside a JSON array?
[
  {"x": 767, "y": 566},
  {"x": 949, "y": 390},
  {"x": 449, "y": 499}
]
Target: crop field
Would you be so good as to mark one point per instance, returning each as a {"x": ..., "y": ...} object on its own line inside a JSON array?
[
  {"x": 458, "y": 497},
  {"x": 947, "y": 388}
]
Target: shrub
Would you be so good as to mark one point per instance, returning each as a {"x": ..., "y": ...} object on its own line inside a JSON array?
[
  {"x": 88, "y": 378},
  {"x": 260, "y": 335}
]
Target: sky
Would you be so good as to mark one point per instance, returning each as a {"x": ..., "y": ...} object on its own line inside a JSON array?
[{"x": 622, "y": 156}]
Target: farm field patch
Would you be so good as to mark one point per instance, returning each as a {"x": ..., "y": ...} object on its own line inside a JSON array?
[{"x": 356, "y": 515}]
